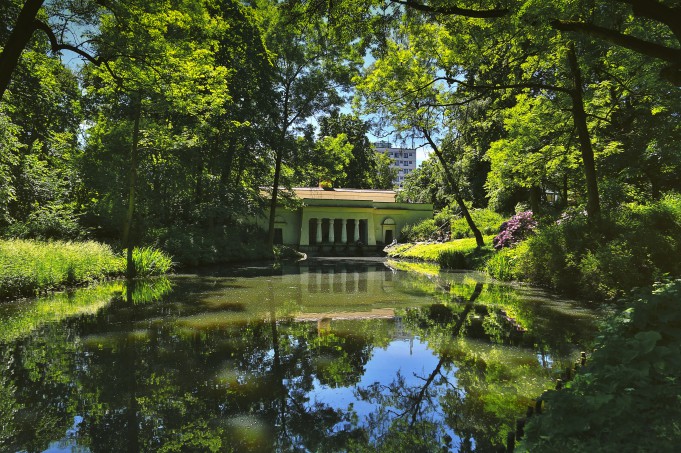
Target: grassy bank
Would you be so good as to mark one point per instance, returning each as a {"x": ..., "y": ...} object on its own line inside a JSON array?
[
  {"x": 456, "y": 254},
  {"x": 31, "y": 267}
]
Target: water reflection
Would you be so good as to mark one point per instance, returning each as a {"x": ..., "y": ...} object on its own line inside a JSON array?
[{"x": 326, "y": 356}]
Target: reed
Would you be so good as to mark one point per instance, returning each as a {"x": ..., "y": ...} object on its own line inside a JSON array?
[{"x": 30, "y": 267}]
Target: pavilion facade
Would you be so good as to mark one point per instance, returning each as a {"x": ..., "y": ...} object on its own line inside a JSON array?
[{"x": 340, "y": 218}]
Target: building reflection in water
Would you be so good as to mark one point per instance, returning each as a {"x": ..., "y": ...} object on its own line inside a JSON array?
[{"x": 345, "y": 278}]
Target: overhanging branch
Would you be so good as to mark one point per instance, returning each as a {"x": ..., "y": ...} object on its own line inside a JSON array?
[
  {"x": 57, "y": 46},
  {"x": 658, "y": 51},
  {"x": 453, "y": 10}
]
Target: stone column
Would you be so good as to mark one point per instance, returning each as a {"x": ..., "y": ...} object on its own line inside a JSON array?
[
  {"x": 332, "y": 234},
  {"x": 319, "y": 231},
  {"x": 356, "y": 230},
  {"x": 344, "y": 231}
]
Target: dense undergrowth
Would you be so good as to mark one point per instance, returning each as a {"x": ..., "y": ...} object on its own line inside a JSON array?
[
  {"x": 633, "y": 246},
  {"x": 628, "y": 398},
  {"x": 30, "y": 267},
  {"x": 193, "y": 246}
]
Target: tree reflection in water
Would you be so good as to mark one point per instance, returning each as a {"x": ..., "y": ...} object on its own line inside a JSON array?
[{"x": 260, "y": 363}]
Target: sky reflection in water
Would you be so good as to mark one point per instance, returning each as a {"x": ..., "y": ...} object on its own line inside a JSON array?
[{"x": 323, "y": 356}]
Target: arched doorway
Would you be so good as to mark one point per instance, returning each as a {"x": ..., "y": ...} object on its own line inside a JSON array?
[{"x": 389, "y": 230}]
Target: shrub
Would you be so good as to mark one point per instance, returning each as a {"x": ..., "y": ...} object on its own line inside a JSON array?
[
  {"x": 199, "y": 246},
  {"x": 628, "y": 396},
  {"x": 486, "y": 220},
  {"x": 517, "y": 228},
  {"x": 48, "y": 222},
  {"x": 633, "y": 246},
  {"x": 417, "y": 232}
]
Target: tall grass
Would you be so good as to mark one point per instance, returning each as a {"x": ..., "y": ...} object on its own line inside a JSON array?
[
  {"x": 28, "y": 267},
  {"x": 149, "y": 261}
]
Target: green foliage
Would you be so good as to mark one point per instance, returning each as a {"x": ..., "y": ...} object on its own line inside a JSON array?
[
  {"x": 54, "y": 221},
  {"x": 486, "y": 220},
  {"x": 629, "y": 393},
  {"x": 634, "y": 246},
  {"x": 198, "y": 246},
  {"x": 417, "y": 232},
  {"x": 502, "y": 264},
  {"x": 457, "y": 254},
  {"x": 150, "y": 261},
  {"x": 31, "y": 266}
]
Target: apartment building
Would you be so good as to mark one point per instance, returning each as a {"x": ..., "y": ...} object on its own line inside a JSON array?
[{"x": 404, "y": 160}]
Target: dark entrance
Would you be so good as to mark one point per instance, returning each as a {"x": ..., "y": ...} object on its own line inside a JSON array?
[
  {"x": 388, "y": 236},
  {"x": 278, "y": 236}
]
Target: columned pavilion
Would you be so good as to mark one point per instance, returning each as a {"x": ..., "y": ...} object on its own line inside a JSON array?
[{"x": 336, "y": 218}]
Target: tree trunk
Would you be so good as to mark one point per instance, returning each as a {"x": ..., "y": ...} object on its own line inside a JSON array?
[
  {"x": 132, "y": 182},
  {"x": 593, "y": 207},
  {"x": 457, "y": 193},
  {"x": 275, "y": 189},
  {"x": 17, "y": 41}
]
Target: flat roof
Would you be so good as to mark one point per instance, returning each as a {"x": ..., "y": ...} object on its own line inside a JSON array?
[{"x": 316, "y": 193}]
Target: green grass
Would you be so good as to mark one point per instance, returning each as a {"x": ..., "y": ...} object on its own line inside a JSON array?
[
  {"x": 29, "y": 267},
  {"x": 149, "y": 261},
  {"x": 456, "y": 254},
  {"x": 486, "y": 220}
]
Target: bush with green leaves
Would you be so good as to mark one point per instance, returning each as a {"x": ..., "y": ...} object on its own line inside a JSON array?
[
  {"x": 195, "y": 246},
  {"x": 418, "y": 232},
  {"x": 628, "y": 397},
  {"x": 486, "y": 220},
  {"x": 630, "y": 247}
]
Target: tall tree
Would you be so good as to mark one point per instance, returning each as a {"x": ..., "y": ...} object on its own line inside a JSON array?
[
  {"x": 361, "y": 169},
  {"x": 311, "y": 71},
  {"x": 162, "y": 62}
]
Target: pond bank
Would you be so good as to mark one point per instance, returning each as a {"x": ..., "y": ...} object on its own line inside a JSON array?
[
  {"x": 31, "y": 267},
  {"x": 456, "y": 254}
]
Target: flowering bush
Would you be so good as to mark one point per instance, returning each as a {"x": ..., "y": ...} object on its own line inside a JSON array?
[{"x": 515, "y": 230}]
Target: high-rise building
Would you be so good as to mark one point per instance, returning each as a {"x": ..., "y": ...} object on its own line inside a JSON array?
[{"x": 404, "y": 160}]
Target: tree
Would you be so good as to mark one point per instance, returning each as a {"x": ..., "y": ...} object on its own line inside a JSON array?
[
  {"x": 29, "y": 21},
  {"x": 402, "y": 89},
  {"x": 361, "y": 169},
  {"x": 156, "y": 68},
  {"x": 311, "y": 70}
]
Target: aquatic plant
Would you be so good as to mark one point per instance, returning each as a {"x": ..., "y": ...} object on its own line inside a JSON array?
[{"x": 150, "y": 261}]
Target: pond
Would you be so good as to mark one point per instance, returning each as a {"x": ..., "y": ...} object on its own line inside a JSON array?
[{"x": 325, "y": 355}]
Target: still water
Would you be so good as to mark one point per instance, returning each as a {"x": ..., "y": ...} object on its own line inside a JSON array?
[{"x": 327, "y": 355}]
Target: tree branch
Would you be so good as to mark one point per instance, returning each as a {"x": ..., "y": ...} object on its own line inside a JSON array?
[
  {"x": 652, "y": 9},
  {"x": 453, "y": 10},
  {"x": 57, "y": 47},
  {"x": 658, "y": 51},
  {"x": 528, "y": 85}
]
